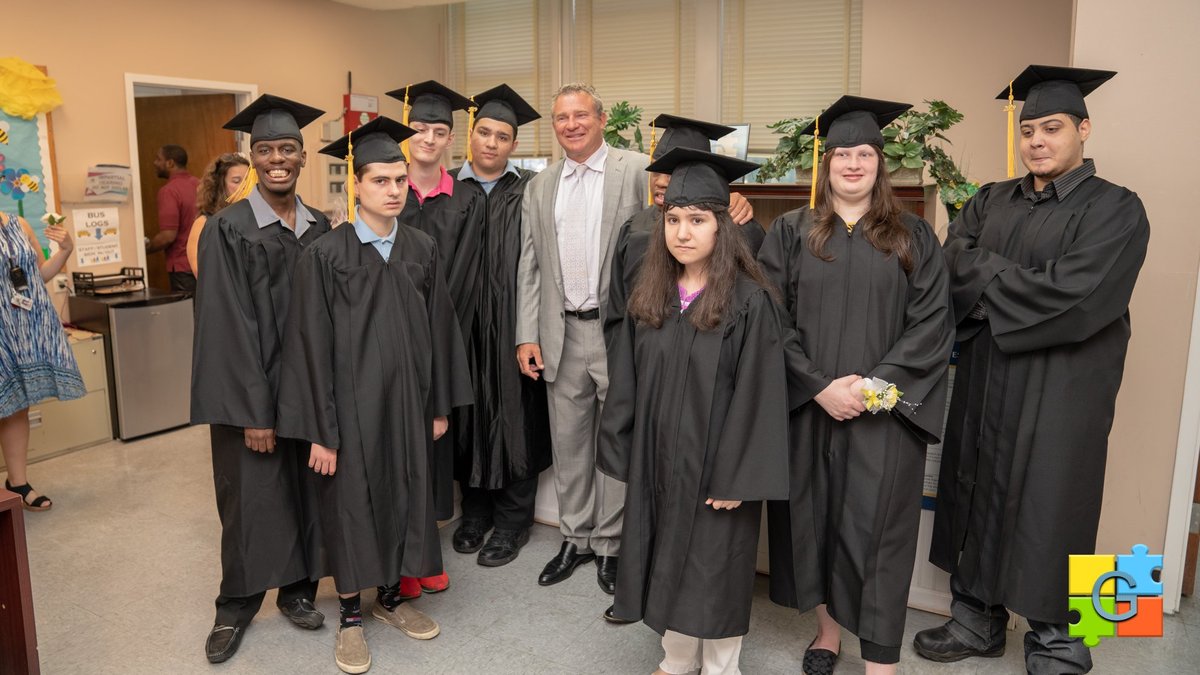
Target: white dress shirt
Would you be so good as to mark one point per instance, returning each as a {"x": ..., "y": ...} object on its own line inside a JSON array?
[{"x": 591, "y": 172}]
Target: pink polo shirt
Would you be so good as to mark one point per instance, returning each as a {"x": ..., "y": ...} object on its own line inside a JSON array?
[{"x": 445, "y": 186}]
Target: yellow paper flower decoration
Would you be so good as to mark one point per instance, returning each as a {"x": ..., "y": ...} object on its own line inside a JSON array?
[{"x": 25, "y": 91}]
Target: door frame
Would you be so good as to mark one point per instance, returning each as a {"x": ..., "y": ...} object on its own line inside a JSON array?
[
  {"x": 1183, "y": 481},
  {"x": 243, "y": 95}
]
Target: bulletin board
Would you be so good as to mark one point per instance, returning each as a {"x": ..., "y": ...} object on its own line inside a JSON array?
[{"x": 28, "y": 172}]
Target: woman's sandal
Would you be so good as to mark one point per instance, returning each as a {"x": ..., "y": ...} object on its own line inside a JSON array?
[
  {"x": 42, "y": 503},
  {"x": 818, "y": 661}
]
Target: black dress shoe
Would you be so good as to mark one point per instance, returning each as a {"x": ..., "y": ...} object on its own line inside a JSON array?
[
  {"x": 468, "y": 538},
  {"x": 302, "y": 613},
  {"x": 613, "y": 618},
  {"x": 939, "y": 644},
  {"x": 222, "y": 643},
  {"x": 606, "y": 573},
  {"x": 502, "y": 547},
  {"x": 818, "y": 661},
  {"x": 563, "y": 564}
]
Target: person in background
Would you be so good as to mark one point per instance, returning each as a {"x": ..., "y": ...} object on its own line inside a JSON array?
[
  {"x": 35, "y": 360},
  {"x": 220, "y": 180},
  {"x": 176, "y": 213}
]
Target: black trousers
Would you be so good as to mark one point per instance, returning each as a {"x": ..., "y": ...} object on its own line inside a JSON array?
[
  {"x": 238, "y": 612},
  {"x": 509, "y": 508},
  {"x": 182, "y": 281},
  {"x": 1049, "y": 648}
]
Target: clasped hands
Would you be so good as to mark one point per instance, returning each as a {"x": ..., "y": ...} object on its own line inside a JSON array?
[{"x": 843, "y": 398}]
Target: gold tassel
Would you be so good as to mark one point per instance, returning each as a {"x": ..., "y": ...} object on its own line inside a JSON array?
[
  {"x": 812, "y": 197},
  {"x": 470, "y": 128},
  {"x": 244, "y": 187},
  {"x": 1011, "y": 109},
  {"x": 404, "y": 121},
  {"x": 650, "y": 179},
  {"x": 350, "y": 212}
]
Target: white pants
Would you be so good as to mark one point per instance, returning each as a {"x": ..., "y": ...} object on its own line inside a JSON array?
[{"x": 685, "y": 654}]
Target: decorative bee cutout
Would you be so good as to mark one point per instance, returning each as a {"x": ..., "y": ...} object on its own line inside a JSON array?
[{"x": 3, "y": 132}]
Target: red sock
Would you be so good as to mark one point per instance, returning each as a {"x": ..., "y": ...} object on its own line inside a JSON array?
[{"x": 409, "y": 588}]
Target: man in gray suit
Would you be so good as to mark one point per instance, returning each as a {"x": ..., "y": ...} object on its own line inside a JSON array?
[{"x": 570, "y": 217}]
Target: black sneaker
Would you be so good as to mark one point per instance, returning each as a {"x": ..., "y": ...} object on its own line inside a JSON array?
[
  {"x": 503, "y": 546},
  {"x": 468, "y": 538},
  {"x": 302, "y": 613}
]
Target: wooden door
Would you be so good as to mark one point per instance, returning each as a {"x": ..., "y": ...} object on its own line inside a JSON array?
[{"x": 193, "y": 122}]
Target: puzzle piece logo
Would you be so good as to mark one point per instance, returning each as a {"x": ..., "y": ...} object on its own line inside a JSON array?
[{"x": 1116, "y": 595}]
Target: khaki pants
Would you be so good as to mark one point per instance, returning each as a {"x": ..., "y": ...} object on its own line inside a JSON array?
[{"x": 685, "y": 654}]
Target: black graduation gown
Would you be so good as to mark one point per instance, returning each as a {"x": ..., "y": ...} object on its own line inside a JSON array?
[
  {"x": 692, "y": 415},
  {"x": 269, "y": 534},
  {"x": 507, "y": 438},
  {"x": 858, "y": 313},
  {"x": 373, "y": 355},
  {"x": 456, "y": 222},
  {"x": 632, "y": 241},
  {"x": 1022, "y": 471}
]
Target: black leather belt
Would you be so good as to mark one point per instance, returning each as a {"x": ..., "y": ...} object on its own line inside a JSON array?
[{"x": 586, "y": 315}]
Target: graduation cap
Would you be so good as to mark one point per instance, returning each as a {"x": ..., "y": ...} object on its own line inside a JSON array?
[
  {"x": 699, "y": 176},
  {"x": 270, "y": 118},
  {"x": 430, "y": 101},
  {"x": 681, "y": 132},
  {"x": 1048, "y": 90},
  {"x": 377, "y": 141},
  {"x": 851, "y": 121},
  {"x": 503, "y": 104}
]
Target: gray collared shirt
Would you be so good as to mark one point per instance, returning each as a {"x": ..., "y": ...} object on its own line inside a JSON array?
[
  {"x": 1059, "y": 187},
  {"x": 465, "y": 172},
  {"x": 367, "y": 236},
  {"x": 264, "y": 215}
]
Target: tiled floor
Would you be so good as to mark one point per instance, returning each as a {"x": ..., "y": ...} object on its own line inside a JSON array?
[{"x": 126, "y": 565}]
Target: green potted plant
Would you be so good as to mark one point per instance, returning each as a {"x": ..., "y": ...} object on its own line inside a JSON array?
[
  {"x": 621, "y": 116},
  {"x": 794, "y": 151}
]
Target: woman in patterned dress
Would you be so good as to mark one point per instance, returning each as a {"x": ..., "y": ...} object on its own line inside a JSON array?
[{"x": 35, "y": 361}]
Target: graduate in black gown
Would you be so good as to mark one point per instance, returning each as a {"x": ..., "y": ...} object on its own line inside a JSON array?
[
  {"x": 1041, "y": 272},
  {"x": 372, "y": 367},
  {"x": 866, "y": 285},
  {"x": 268, "y": 528},
  {"x": 505, "y": 444},
  {"x": 696, "y": 422},
  {"x": 634, "y": 235}
]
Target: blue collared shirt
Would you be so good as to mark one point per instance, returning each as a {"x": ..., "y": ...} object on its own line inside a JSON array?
[
  {"x": 465, "y": 172},
  {"x": 367, "y": 236},
  {"x": 264, "y": 215}
]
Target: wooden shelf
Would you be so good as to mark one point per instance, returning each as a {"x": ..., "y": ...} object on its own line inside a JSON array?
[{"x": 771, "y": 200}]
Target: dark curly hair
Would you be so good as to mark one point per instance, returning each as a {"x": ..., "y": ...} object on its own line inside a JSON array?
[{"x": 210, "y": 196}]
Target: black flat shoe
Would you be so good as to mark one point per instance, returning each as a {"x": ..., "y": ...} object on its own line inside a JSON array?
[
  {"x": 563, "y": 565},
  {"x": 606, "y": 573},
  {"x": 818, "y": 661},
  {"x": 468, "y": 538},
  {"x": 939, "y": 644},
  {"x": 502, "y": 547},
  {"x": 222, "y": 643},
  {"x": 613, "y": 618},
  {"x": 302, "y": 613}
]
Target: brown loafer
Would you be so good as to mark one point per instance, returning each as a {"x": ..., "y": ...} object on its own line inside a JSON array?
[
  {"x": 350, "y": 650},
  {"x": 411, "y": 621}
]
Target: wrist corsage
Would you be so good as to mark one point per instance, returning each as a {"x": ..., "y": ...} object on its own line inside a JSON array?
[{"x": 880, "y": 395}]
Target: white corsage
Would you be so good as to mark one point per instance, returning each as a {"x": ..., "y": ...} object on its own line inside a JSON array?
[
  {"x": 880, "y": 395},
  {"x": 52, "y": 218}
]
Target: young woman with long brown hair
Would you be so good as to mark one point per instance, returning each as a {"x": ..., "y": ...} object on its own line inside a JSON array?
[
  {"x": 696, "y": 422},
  {"x": 868, "y": 291},
  {"x": 221, "y": 178}
]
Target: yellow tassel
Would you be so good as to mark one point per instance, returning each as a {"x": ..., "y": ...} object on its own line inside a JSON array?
[
  {"x": 404, "y": 121},
  {"x": 350, "y": 214},
  {"x": 245, "y": 187},
  {"x": 470, "y": 128},
  {"x": 1011, "y": 109},
  {"x": 812, "y": 197},
  {"x": 650, "y": 179}
]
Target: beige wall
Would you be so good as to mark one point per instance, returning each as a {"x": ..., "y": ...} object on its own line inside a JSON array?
[
  {"x": 1156, "y": 53},
  {"x": 299, "y": 49}
]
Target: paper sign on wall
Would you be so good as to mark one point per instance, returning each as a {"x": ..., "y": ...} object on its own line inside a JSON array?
[
  {"x": 108, "y": 183},
  {"x": 97, "y": 236}
]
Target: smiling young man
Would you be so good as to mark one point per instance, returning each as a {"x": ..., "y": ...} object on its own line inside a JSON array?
[
  {"x": 250, "y": 249},
  {"x": 371, "y": 371},
  {"x": 507, "y": 444},
  {"x": 1041, "y": 272}
]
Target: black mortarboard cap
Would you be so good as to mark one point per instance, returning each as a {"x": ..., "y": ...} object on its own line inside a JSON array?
[
  {"x": 270, "y": 118},
  {"x": 432, "y": 102},
  {"x": 1047, "y": 90},
  {"x": 681, "y": 132},
  {"x": 503, "y": 104},
  {"x": 854, "y": 120},
  {"x": 699, "y": 176},
  {"x": 376, "y": 141}
]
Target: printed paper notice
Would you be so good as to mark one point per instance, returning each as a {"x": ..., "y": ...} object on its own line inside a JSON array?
[{"x": 97, "y": 236}]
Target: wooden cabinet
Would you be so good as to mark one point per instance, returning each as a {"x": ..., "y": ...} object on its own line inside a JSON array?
[
  {"x": 57, "y": 426},
  {"x": 771, "y": 200}
]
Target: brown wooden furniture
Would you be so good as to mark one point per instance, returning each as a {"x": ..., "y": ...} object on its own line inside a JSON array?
[
  {"x": 18, "y": 639},
  {"x": 771, "y": 200}
]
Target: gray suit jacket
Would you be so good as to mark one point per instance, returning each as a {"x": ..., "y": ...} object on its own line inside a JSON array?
[{"x": 540, "y": 316}]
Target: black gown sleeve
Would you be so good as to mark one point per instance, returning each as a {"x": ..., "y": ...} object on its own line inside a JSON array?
[
  {"x": 618, "y": 294},
  {"x": 463, "y": 273},
  {"x": 754, "y": 234},
  {"x": 751, "y": 460},
  {"x": 971, "y": 267},
  {"x": 307, "y": 407},
  {"x": 229, "y": 380},
  {"x": 805, "y": 380},
  {"x": 450, "y": 383},
  {"x": 614, "y": 442},
  {"x": 917, "y": 362}
]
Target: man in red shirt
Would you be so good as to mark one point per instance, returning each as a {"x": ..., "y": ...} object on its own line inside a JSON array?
[{"x": 176, "y": 213}]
